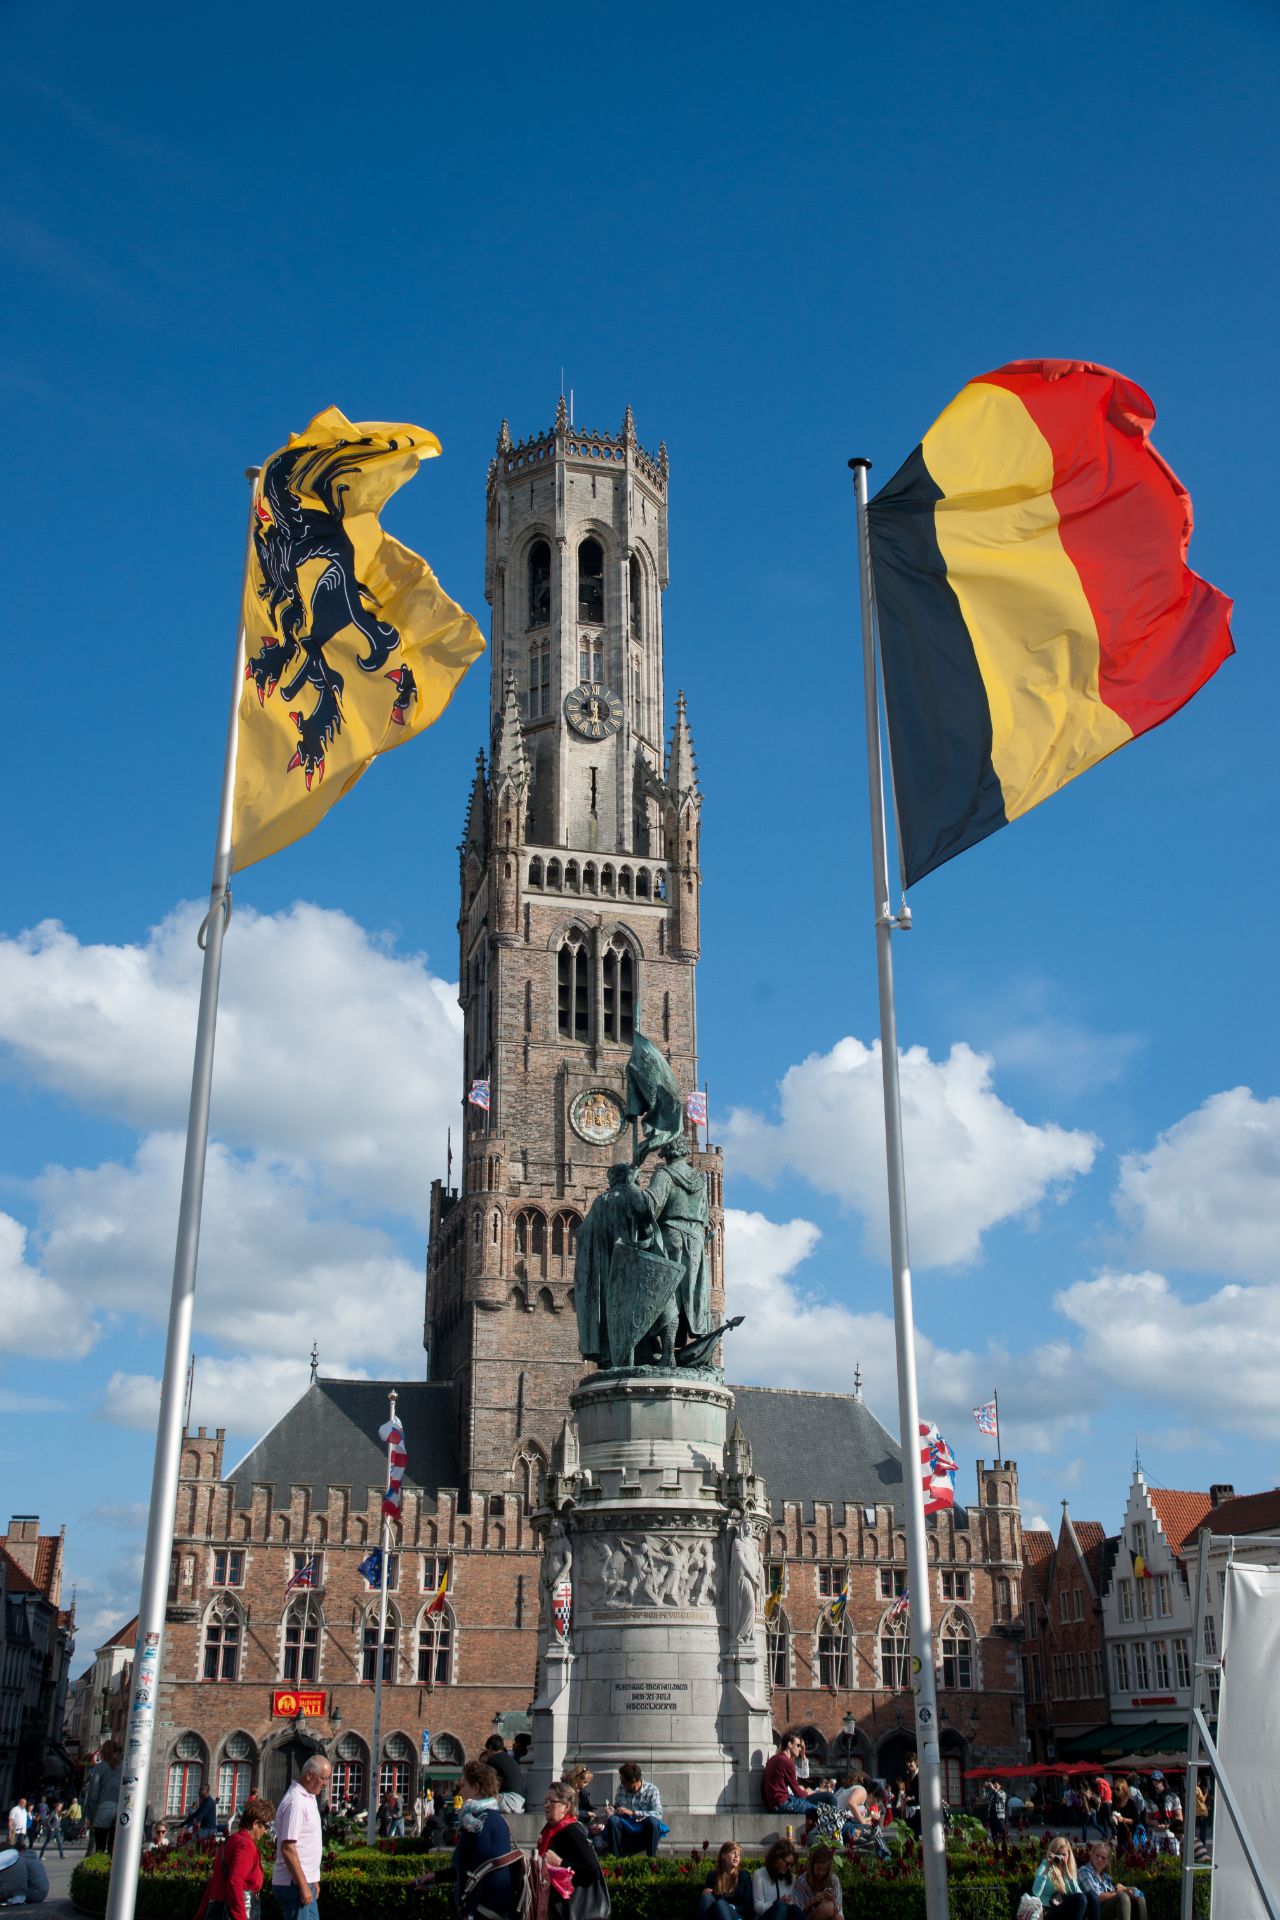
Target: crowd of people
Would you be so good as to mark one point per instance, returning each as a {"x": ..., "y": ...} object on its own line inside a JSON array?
[{"x": 1121, "y": 1818}]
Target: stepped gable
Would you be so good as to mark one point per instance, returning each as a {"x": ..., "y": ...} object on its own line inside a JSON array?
[
  {"x": 826, "y": 1447},
  {"x": 329, "y": 1438}
]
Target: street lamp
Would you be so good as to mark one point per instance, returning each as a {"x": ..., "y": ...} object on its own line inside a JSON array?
[
  {"x": 335, "y": 1720},
  {"x": 849, "y": 1727}
]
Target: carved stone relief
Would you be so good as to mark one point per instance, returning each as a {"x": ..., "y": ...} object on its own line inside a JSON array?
[{"x": 648, "y": 1570}]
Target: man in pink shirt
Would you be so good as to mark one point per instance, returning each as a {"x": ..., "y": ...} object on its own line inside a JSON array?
[{"x": 295, "y": 1878}]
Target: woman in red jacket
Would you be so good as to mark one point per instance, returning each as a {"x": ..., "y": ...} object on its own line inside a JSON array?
[{"x": 236, "y": 1880}]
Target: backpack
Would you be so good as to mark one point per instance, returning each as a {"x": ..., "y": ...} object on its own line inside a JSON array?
[{"x": 531, "y": 1885}]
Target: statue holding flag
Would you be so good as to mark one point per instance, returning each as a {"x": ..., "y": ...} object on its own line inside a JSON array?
[{"x": 642, "y": 1280}]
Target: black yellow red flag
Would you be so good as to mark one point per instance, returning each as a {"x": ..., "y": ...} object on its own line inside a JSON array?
[
  {"x": 1035, "y": 606},
  {"x": 351, "y": 644}
]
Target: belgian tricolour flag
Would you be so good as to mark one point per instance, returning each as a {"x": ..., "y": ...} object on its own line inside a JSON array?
[{"x": 1035, "y": 605}]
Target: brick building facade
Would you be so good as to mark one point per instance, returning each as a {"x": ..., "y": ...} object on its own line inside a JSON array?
[
  {"x": 36, "y": 1642},
  {"x": 1064, "y": 1658},
  {"x": 580, "y": 887}
]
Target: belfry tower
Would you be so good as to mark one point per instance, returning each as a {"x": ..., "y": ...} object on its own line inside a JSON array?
[{"x": 580, "y": 885}]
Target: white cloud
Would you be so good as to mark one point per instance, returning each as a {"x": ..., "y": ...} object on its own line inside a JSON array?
[
  {"x": 798, "y": 1337},
  {"x": 1207, "y": 1195},
  {"x": 330, "y": 1048},
  {"x": 245, "y": 1392},
  {"x": 1214, "y": 1359},
  {"x": 38, "y": 1316},
  {"x": 278, "y": 1263},
  {"x": 971, "y": 1160}
]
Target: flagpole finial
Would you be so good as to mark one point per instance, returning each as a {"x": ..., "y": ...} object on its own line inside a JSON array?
[{"x": 315, "y": 1362}]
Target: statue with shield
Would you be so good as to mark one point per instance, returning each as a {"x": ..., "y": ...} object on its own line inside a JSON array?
[{"x": 642, "y": 1279}]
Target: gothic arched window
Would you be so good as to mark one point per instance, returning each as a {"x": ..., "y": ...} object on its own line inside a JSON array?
[
  {"x": 235, "y": 1774},
  {"x": 535, "y": 872},
  {"x": 955, "y": 1644},
  {"x": 618, "y": 979},
  {"x": 591, "y": 583},
  {"x": 348, "y": 1771},
  {"x": 300, "y": 1649},
  {"x": 399, "y": 1757},
  {"x": 435, "y": 1647},
  {"x": 778, "y": 1647},
  {"x": 540, "y": 679},
  {"x": 222, "y": 1636},
  {"x": 895, "y": 1651},
  {"x": 833, "y": 1653},
  {"x": 539, "y": 584},
  {"x": 186, "y": 1775},
  {"x": 390, "y": 1645},
  {"x": 573, "y": 988},
  {"x": 635, "y": 583}
]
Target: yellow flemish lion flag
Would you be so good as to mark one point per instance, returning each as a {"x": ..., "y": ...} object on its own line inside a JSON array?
[{"x": 351, "y": 644}]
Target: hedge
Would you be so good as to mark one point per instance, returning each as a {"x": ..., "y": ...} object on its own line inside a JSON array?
[{"x": 365, "y": 1884}]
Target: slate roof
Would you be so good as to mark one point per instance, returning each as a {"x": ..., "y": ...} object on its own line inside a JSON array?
[
  {"x": 821, "y": 1446},
  {"x": 1178, "y": 1513},
  {"x": 329, "y": 1438},
  {"x": 1247, "y": 1513}
]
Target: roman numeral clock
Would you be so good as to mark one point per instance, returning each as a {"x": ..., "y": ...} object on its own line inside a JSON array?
[{"x": 592, "y": 710}]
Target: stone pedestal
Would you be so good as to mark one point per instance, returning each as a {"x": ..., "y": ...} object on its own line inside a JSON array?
[{"x": 653, "y": 1521}]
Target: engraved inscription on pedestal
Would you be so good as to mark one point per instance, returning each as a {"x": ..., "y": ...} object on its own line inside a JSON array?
[{"x": 650, "y": 1696}]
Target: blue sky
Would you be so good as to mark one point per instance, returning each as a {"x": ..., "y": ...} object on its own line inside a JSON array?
[{"x": 782, "y": 239}]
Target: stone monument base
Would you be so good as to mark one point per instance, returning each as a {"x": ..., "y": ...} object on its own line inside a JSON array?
[{"x": 654, "y": 1526}]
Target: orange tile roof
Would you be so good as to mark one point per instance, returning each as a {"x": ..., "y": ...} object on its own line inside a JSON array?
[
  {"x": 1089, "y": 1533},
  {"x": 1037, "y": 1546},
  {"x": 16, "y": 1579},
  {"x": 124, "y": 1636},
  {"x": 1179, "y": 1513}
]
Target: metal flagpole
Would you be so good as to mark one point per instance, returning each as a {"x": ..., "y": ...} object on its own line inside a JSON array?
[
  {"x": 933, "y": 1839},
  {"x": 375, "y": 1758},
  {"x": 136, "y": 1762},
  {"x": 1193, "y": 1732},
  {"x": 995, "y": 1399}
]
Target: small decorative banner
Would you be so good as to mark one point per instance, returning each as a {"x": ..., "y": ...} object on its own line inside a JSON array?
[{"x": 286, "y": 1701}]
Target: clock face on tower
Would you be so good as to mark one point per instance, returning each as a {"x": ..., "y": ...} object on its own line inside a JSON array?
[{"x": 592, "y": 710}]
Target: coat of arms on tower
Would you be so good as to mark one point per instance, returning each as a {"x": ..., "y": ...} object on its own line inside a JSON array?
[{"x": 596, "y": 1116}]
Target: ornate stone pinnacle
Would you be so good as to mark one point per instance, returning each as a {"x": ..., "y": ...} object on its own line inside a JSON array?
[
  {"x": 629, "y": 426},
  {"x": 504, "y": 438},
  {"x": 562, "y": 415}
]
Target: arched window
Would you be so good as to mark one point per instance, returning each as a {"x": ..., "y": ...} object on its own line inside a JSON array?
[
  {"x": 530, "y": 1472},
  {"x": 222, "y": 1635},
  {"x": 390, "y": 1646},
  {"x": 955, "y": 1644},
  {"x": 535, "y": 872},
  {"x": 642, "y": 884},
  {"x": 625, "y": 883},
  {"x": 300, "y": 1651},
  {"x": 571, "y": 877},
  {"x": 348, "y": 1771},
  {"x": 573, "y": 983},
  {"x": 522, "y": 1233},
  {"x": 618, "y": 979},
  {"x": 591, "y": 585},
  {"x": 895, "y": 1651},
  {"x": 608, "y": 881},
  {"x": 557, "y": 1237},
  {"x": 778, "y": 1647},
  {"x": 539, "y": 584},
  {"x": 186, "y": 1775},
  {"x": 538, "y": 1240},
  {"x": 396, "y": 1771},
  {"x": 540, "y": 679},
  {"x": 235, "y": 1775},
  {"x": 435, "y": 1647},
  {"x": 590, "y": 879},
  {"x": 635, "y": 583},
  {"x": 833, "y": 1653},
  {"x": 572, "y": 1221},
  {"x": 555, "y": 878},
  {"x": 1004, "y": 1602}
]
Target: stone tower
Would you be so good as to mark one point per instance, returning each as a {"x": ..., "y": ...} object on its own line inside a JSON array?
[{"x": 578, "y": 924}]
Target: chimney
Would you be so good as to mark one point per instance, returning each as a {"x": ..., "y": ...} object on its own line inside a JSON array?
[{"x": 1220, "y": 1493}]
